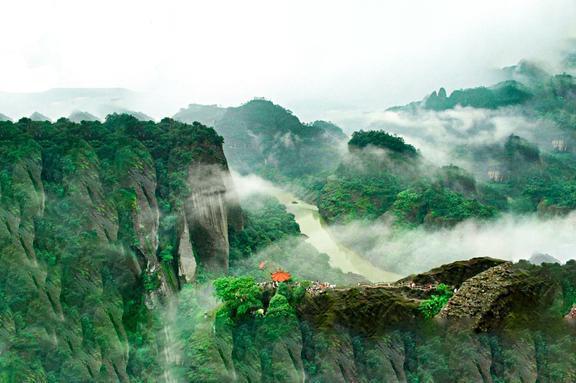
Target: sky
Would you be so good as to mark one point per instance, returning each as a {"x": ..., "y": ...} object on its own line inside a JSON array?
[{"x": 320, "y": 59}]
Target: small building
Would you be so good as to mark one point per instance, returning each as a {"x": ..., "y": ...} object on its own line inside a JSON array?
[
  {"x": 496, "y": 175},
  {"x": 560, "y": 145}
]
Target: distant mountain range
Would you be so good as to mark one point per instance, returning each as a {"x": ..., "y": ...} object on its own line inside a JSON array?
[
  {"x": 59, "y": 102},
  {"x": 524, "y": 83}
]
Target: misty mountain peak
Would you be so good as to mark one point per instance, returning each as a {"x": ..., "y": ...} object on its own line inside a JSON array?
[
  {"x": 36, "y": 116},
  {"x": 79, "y": 116}
]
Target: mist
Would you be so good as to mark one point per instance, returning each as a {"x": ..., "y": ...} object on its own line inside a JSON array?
[
  {"x": 510, "y": 238},
  {"x": 437, "y": 134},
  {"x": 418, "y": 250},
  {"x": 322, "y": 60}
]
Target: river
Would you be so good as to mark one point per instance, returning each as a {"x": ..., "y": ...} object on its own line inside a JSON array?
[{"x": 313, "y": 226}]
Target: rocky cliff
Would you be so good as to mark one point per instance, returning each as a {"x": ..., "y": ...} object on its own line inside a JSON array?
[
  {"x": 100, "y": 223},
  {"x": 504, "y": 323}
]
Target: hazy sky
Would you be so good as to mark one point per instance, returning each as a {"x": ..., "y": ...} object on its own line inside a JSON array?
[{"x": 316, "y": 57}]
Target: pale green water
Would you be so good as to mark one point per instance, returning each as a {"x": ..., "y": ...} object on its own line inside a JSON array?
[{"x": 319, "y": 236}]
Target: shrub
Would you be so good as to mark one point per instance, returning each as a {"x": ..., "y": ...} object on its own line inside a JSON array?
[
  {"x": 241, "y": 295},
  {"x": 432, "y": 306}
]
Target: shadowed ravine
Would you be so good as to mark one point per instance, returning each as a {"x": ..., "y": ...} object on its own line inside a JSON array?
[{"x": 313, "y": 226}]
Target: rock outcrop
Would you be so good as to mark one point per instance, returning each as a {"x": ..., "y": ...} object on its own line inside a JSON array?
[
  {"x": 514, "y": 331},
  {"x": 485, "y": 300},
  {"x": 455, "y": 273}
]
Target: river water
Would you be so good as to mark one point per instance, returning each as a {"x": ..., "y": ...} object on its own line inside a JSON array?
[{"x": 319, "y": 236}]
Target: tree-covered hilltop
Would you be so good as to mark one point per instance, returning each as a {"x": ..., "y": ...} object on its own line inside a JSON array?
[
  {"x": 382, "y": 175},
  {"x": 100, "y": 223},
  {"x": 264, "y": 138},
  {"x": 379, "y": 139},
  {"x": 364, "y": 186}
]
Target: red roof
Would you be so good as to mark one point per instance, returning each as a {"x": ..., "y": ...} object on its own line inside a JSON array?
[{"x": 281, "y": 276}]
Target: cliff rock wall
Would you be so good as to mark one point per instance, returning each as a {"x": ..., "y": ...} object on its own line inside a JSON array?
[{"x": 100, "y": 223}]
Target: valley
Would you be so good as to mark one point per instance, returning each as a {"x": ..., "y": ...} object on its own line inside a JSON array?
[{"x": 318, "y": 234}]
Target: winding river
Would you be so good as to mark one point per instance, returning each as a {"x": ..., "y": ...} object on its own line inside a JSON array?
[{"x": 313, "y": 226}]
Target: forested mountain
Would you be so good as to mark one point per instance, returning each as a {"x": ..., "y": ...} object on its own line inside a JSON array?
[
  {"x": 532, "y": 89},
  {"x": 532, "y": 169},
  {"x": 264, "y": 138},
  {"x": 102, "y": 223}
]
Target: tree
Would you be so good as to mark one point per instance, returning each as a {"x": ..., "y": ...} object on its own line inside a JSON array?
[
  {"x": 240, "y": 295},
  {"x": 432, "y": 306}
]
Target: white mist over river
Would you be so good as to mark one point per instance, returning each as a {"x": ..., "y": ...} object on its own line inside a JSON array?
[{"x": 316, "y": 230}]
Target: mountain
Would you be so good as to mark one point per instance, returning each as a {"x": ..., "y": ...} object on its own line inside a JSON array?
[
  {"x": 205, "y": 114},
  {"x": 138, "y": 115},
  {"x": 539, "y": 258},
  {"x": 59, "y": 102},
  {"x": 527, "y": 86},
  {"x": 265, "y": 138},
  {"x": 38, "y": 117},
  {"x": 383, "y": 176},
  {"x": 79, "y": 116},
  {"x": 503, "y": 94},
  {"x": 4, "y": 117},
  {"x": 526, "y": 72},
  {"x": 511, "y": 150},
  {"x": 102, "y": 223}
]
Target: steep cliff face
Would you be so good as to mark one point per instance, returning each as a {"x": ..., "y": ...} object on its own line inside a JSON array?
[
  {"x": 99, "y": 223},
  {"x": 206, "y": 215}
]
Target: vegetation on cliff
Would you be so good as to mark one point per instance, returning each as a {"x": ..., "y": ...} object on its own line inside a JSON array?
[
  {"x": 92, "y": 215},
  {"x": 380, "y": 333}
]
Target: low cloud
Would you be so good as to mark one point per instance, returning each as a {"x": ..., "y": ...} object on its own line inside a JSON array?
[
  {"x": 437, "y": 134},
  {"x": 510, "y": 238},
  {"x": 251, "y": 184}
]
